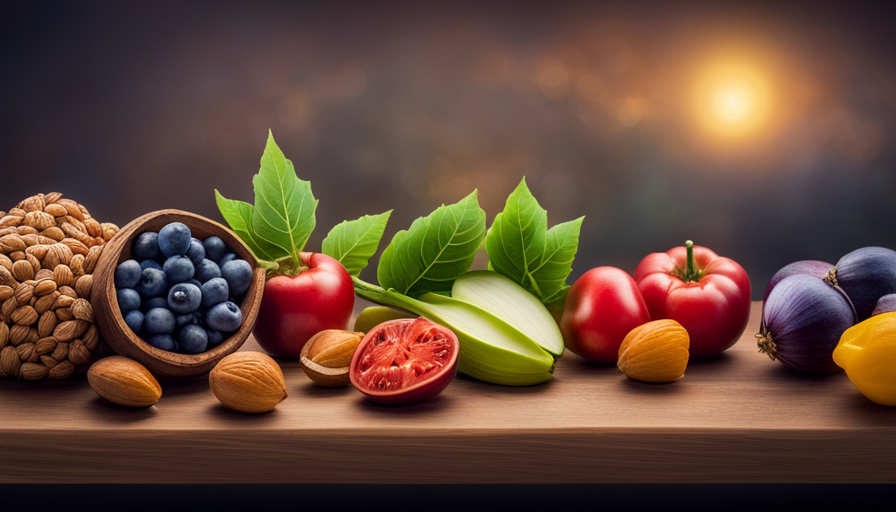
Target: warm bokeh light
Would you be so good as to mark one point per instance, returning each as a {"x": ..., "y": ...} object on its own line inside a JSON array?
[{"x": 732, "y": 100}]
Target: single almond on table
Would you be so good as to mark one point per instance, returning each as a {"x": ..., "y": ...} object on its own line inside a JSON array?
[
  {"x": 248, "y": 382},
  {"x": 124, "y": 381},
  {"x": 655, "y": 352}
]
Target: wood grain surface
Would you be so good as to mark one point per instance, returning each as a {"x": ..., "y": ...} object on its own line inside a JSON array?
[{"x": 738, "y": 419}]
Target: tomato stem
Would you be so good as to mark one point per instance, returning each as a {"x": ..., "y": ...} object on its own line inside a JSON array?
[
  {"x": 692, "y": 262},
  {"x": 690, "y": 274}
]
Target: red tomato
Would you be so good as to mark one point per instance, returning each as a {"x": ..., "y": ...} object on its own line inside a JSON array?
[
  {"x": 404, "y": 361},
  {"x": 707, "y": 294},
  {"x": 601, "y": 308},
  {"x": 293, "y": 309}
]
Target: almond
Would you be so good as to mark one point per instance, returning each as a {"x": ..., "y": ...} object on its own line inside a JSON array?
[
  {"x": 33, "y": 204},
  {"x": 77, "y": 265},
  {"x": 63, "y": 370},
  {"x": 46, "y": 302},
  {"x": 9, "y": 362},
  {"x": 33, "y": 371},
  {"x": 56, "y": 210},
  {"x": 22, "y": 270},
  {"x": 52, "y": 197},
  {"x": 248, "y": 382},
  {"x": 24, "y": 315},
  {"x": 55, "y": 233},
  {"x": 44, "y": 287},
  {"x": 10, "y": 221},
  {"x": 78, "y": 352},
  {"x": 91, "y": 337},
  {"x": 655, "y": 352},
  {"x": 39, "y": 220},
  {"x": 124, "y": 381},
  {"x": 82, "y": 310},
  {"x": 63, "y": 276},
  {"x": 10, "y": 243},
  {"x": 326, "y": 356},
  {"x": 76, "y": 246},
  {"x": 24, "y": 293},
  {"x": 84, "y": 285},
  {"x": 109, "y": 230}
]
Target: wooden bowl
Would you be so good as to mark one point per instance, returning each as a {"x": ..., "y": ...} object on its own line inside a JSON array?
[{"x": 123, "y": 340}]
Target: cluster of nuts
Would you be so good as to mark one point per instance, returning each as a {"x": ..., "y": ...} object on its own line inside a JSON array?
[{"x": 49, "y": 247}]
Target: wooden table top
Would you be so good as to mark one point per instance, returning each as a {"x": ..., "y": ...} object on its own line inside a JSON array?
[{"x": 738, "y": 419}]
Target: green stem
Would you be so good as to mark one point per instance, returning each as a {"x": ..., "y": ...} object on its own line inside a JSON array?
[
  {"x": 385, "y": 297},
  {"x": 691, "y": 274},
  {"x": 692, "y": 262}
]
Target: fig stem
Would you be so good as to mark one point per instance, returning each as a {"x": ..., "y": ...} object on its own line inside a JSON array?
[{"x": 767, "y": 345}]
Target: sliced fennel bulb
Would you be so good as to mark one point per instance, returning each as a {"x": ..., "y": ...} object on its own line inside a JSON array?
[{"x": 512, "y": 303}]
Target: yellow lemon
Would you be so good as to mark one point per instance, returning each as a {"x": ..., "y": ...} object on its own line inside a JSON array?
[{"x": 867, "y": 351}]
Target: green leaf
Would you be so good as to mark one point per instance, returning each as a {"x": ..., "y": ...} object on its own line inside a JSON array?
[
  {"x": 283, "y": 216},
  {"x": 238, "y": 215},
  {"x": 353, "y": 243},
  {"x": 434, "y": 250},
  {"x": 521, "y": 247}
]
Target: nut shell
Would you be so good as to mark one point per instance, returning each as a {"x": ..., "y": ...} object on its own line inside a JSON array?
[
  {"x": 124, "y": 381},
  {"x": 655, "y": 352},
  {"x": 248, "y": 382},
  {"x": 327, "y": 356}
]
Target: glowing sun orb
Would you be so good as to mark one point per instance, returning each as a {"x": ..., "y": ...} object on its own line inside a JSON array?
[{"x": 732, "y": 101}]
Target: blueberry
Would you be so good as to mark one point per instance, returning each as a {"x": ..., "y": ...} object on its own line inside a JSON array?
[
  {"x": 146, "y": 246},
  {"x": 215, "y": 249},
  {"x": 225, "y": 317},
  {"x": 196, "y": 282},
  {"x": 164, "y": 342},
  {"x": 194, "y": 318},
  {"x": 155, "y": 302},
  {"x": 238, "y": 274},
  {"x": 128, "y": 300},
  {"x": 207, "y": 269},
  {"x": 153, "y": 283},
  {"x": 134, "y": 319},
  {"x": 178, "y": 269},
  {"x": 193, "y": 339},
  {"x": 214, "y": 291},
  {"x": 145, "y": 264},
  {"x": 159, "y": 321},
  {"x": 127, "y": 274},
  {"x": 174, "y": 239},
  {"x": 227, "y": 257},
  {"x": 196, "y": 252},
  {"x": 214, "y": 337},
  {"x": 184, "y": 298}
]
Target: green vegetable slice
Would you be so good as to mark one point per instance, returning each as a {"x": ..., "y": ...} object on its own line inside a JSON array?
[
  {"x": 354, "y": 242},
  {"x": 521, "y": 247},
  {"x": 512, "y": 303},
  {"x": 434, "y": 250}
]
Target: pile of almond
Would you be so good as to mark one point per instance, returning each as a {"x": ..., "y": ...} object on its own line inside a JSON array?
[{"x": 49, "y": 247}]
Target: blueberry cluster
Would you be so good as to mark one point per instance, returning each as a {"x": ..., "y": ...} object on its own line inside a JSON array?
[{"x": 180, "y": 293}]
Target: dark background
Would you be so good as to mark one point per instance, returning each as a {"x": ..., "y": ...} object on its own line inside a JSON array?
[{"x": 131, "y": 107}]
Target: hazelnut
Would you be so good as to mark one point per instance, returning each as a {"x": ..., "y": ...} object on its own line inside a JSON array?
[{"x": 327, "y": 356}]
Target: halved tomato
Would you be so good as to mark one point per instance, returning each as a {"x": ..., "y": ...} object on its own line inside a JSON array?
[{"x": 404, "y": 361}]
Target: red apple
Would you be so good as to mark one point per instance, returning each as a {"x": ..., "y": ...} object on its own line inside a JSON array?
[{"x": 295, "y": 308}]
